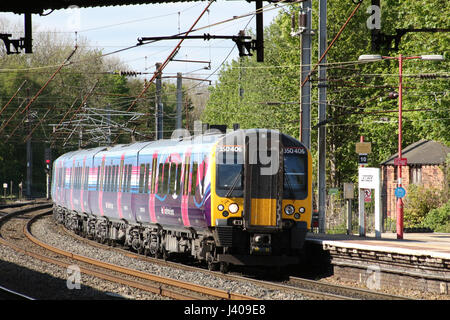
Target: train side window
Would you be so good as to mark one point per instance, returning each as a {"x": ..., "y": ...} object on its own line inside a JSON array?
[
  {"x": 153, "y": 179},
  {"x": 160, "y": 179},
  {"x": 178, "y": 180},
  {"x": 107, "y": 178},
  {"x": 112, "y": 179},
  {"x": 186, "y": 177},
  {"x": 106, "y": 184},
  {"x": 79, "y": 178},
  {"x": 147, "y": 173},
  {"x": 102, "y": 174},
  {"x": 124, "y": 178},
  {"x": 115, "y": 176},
  {"x": 173, "y": 178},
  {"x": 86, "y": 178},
  {"x": 194, "y": 177},
  {"x": 141, "y": 178},
  {"x": 72, "y": 174},
  {"x": 130, "y": 169},
  {"x": 166, "y": 178},
  {"x": 75, "y": 178},
  {"x": 119, "y": 186},
  {"x": 98, "y": 178},
  {"x": 74, "y": 184}
]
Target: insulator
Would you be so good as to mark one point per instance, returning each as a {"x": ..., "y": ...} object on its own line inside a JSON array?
[{"x": 302, "y": 19}]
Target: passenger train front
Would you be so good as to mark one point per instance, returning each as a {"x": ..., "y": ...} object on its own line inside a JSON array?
[{"x": 241, "y": 198}]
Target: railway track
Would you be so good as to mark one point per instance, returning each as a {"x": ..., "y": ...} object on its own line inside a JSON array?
[
  {"x": 309, "y": 288},
  {"x": 159, "y": 285},
  {"x": 166, "y": 287}
]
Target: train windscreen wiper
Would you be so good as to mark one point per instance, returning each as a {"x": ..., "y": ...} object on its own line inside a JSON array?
[{"x": 235, "y": 181}]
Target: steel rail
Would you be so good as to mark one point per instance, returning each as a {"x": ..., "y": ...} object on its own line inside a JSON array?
[
  {"x": 348, "y": 291},
  {"x": 217, "y": 293},
  {"x": 157, "y": 289},
  {"x": 315, "y": 294}
]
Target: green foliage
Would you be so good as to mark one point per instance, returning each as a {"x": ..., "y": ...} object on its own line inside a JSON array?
[
  {"x": 357, "y": 94},
  {"x": 439, "y": 219},
  {"x": 418, "y": 203}
]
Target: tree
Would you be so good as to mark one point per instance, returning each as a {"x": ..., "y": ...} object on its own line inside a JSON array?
[{"x": 357, "y": 94}]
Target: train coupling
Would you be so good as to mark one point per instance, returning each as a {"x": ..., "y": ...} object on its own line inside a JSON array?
[{"x": 261, "y": 244}]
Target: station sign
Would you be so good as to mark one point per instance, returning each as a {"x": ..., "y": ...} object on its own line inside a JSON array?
[
  {"x": 364, "y": 147},
  {"x": 400, "y": 192},
  {"x": 401, "y": 161},
  {"x": 349, "y": 190},
  {"x": 369, "y": 178},
  {"x": 362, "y": 158}
]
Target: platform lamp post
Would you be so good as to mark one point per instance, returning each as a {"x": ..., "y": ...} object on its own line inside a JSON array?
[{"x": 400, "y": 58}]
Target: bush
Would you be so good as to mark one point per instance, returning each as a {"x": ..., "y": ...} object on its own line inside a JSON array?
[
  {"x": 419, "y": 201},
  {"x": 439, "y": 219}
]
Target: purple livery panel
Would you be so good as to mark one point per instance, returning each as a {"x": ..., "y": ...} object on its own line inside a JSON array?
[{"x": 168, "y": 186}]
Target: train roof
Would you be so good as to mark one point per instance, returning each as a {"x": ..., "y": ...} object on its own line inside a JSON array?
[
  {"x": 198, "y": 142},
  {"x": 80, "y": 153}
]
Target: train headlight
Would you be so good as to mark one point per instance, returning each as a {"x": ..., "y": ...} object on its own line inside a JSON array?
[
  {"x": 233, "y": 208},
  {"x": 220, "y": 207},
  {"x": 301, "y": 210},
  {"x": 289, "y": 209}
]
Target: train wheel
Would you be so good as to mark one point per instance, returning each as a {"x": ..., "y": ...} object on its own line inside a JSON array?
[
  {"x": 224, "y": 267},
  {"x": 213, "y": 266},
  {"x": 165, "y": 255}
]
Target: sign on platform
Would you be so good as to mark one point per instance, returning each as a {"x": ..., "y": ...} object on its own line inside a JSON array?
[
  {"x": 363, "y": 147},
  {"x": 369, "y": 178},
  {"x": 349, "y": 190},
  {"x": 400, "y": 192},
  {"x": 362, "y": 158},
  {"x": 401, "y": 161}
]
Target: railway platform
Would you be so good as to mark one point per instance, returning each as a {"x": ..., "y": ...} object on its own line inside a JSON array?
[{"x": 419, "y": 261}]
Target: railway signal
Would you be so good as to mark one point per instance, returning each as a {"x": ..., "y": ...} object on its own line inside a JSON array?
[{"x": 48, "y": 160}]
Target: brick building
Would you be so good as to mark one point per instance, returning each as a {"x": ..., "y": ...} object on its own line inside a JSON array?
[{"x": 426, "y": 162}]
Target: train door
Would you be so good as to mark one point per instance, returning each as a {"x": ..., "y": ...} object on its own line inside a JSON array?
[
  {"x": 83, "y": 187},
  {"x": 186, "y": 189},
  {"x": 152, "y": 188},
  {"x": 100, "y": 186},
  {"x": 263, "y": 179}
]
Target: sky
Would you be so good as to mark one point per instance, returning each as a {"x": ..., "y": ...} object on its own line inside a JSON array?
[{"x": 113, "y": 28}]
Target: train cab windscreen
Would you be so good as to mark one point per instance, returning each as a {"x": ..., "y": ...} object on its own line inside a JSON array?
[
  {"x": 295, "y": 176},
  {"x": 230, "y": 175}
]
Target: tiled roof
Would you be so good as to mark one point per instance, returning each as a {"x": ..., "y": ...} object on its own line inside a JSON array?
[{"x": 422, "y": 152}]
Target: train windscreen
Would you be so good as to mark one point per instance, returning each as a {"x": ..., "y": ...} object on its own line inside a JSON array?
[
  {"x": 229, "y": 175},
  {"x": 295, "y": 176}
]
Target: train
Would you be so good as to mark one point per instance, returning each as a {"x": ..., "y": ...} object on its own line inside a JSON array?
[{"x": 238, "y": 198}]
